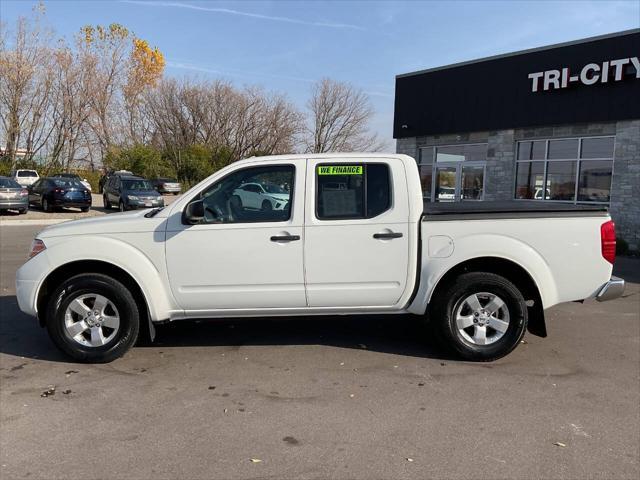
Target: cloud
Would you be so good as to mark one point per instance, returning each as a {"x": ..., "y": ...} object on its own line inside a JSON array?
[
  {"x": 260, "y": 16},
  {"x": 233, "y": 73}
]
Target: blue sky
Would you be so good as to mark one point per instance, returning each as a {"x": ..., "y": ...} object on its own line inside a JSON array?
[{"x": 285, "y": 46}]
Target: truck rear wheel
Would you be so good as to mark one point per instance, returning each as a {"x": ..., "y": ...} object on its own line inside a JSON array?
[
  {"x": 481, "y": 316},
  {"x": 93, "y": 318}
]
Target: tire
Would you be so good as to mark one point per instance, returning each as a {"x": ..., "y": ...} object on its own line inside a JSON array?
[
  {"x": 121, "y": 206},
  {"x": 22, "y": 211},
  {"x": 106, "y": 202},
  {"x": 46, "y": 206},
  {"x": 461, "y": 319},
  {"x": 266, "y": 206},
  {"x": 84, "y": 209},
  {"x": 119, "y": 303}
]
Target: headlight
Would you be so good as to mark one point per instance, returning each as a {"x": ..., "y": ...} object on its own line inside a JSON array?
[
  {"x": 37, "y": 246},
  {"x": 132, "y": 197}
]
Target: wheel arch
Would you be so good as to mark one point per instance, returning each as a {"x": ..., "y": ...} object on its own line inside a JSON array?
[
  {"x": 508, "y": 269},
  {"x": 68, "y": 270}
]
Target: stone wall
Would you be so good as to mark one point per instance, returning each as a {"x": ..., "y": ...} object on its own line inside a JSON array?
[
  {"x": 625, "y": 188},
  {"x": 501, "y": 151}
]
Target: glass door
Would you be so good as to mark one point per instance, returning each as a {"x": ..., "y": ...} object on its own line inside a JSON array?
[
  {"x": 446, "y": 188},
  {"x": 458, "y": 181},
  {"x": 472, "y": 182}
]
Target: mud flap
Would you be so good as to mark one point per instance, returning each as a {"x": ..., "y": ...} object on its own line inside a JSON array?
[{"x": 536, "y": 325}]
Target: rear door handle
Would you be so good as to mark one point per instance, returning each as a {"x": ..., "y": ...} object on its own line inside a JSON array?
[
  {"x": 285, "y": 238},
  {"x": 387, "y": 235}
]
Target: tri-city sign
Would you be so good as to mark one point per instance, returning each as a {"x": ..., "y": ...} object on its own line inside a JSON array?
[{"x": 592, "y": 73}]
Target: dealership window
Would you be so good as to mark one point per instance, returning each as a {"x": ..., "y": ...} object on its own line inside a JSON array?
[
  {"x": 568, "y": 169},
  {"x": 453, "y": 172}
]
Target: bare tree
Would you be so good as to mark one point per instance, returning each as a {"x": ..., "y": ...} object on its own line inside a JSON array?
[
  {"x": 339, "y": 117},
  {"x": 73, "y": 94},
  {"x": 25, "y": 86},
  {"x": 214, "y": 114}
]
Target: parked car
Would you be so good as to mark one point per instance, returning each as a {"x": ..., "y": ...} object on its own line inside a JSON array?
[
  {"x": 104, "y": 178},
  {"x": 50, "y": 193},
  {"x": 166, "y": 185},
  {"x": 74, "y": 176},
  {"x": 262, "y": 196},
  {"x": 479, "y": 272},
  {"x": 13, "y": 196},
  {"x": 130, "y": 192},
  {"x": 25, "y": 177}
]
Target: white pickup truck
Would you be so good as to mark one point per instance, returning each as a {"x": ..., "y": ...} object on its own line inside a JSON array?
[{"x": 354, "y": 237}]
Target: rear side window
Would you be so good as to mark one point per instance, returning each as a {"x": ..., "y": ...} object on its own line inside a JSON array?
[{"x": 352, "y": 191}]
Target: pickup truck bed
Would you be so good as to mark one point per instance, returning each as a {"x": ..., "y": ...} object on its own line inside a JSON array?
[{"x": 509, "y": 209}]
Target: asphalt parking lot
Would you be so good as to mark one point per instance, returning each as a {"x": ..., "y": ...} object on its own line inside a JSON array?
[{"x": 334, "y": 397}]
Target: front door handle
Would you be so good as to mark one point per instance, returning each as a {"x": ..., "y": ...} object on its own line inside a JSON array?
[
  {"x": 387, "y": 235},
  {"x": 285, "y": 238}
]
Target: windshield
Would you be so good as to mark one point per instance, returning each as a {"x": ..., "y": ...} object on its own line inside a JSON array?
[
  {"x": 8, "y": 183},
  {"x": 67, "y": 183},
  {"x": 137, "y": 184},
  {"x": 27, "y": 173},
  {"x": 271, "y": 188}
]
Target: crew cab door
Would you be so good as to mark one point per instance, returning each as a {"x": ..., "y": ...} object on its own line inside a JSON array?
[
  {"x": 239, "y": 257},
  {"x": 356, "y": 232}
]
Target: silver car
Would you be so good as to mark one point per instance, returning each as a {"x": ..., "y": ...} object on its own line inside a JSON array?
[{"x": 13, "y": 196}]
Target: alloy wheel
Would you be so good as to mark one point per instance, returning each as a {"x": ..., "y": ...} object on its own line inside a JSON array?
[
  {"x": 92, "y": 320},
  {"x": 482, "y": 318}
]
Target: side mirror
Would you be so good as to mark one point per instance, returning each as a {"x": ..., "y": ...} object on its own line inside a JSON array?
[{"x": 194, "y": 213}]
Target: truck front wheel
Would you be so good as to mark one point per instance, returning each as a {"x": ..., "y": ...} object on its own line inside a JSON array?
[
  {"x": 482, "y": 316},
  {"x": 93, "y": 318}
]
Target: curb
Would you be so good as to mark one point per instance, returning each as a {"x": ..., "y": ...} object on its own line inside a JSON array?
[{"x": 44, "y": 221}]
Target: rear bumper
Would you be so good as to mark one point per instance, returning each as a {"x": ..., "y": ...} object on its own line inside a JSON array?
[
  {"x": 64, "y": 202},
  {"x": 614, "y": 288},
  {"x": 11, "y": 204}
]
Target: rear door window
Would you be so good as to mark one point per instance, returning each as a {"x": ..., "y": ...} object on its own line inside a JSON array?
[{"x": 352, "y": 191}]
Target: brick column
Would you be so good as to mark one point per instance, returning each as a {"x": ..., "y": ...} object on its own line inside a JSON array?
[
  {"x": 500, "y": 174},
  {"x": 625, "y": 184}
]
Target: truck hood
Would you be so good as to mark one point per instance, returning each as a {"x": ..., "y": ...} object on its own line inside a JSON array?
[{"x": 114, "y": 223}]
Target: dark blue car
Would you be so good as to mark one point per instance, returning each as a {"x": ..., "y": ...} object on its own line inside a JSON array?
[
  {"x": 129, "y": 192},
  {"x": 51, "y": 193}
]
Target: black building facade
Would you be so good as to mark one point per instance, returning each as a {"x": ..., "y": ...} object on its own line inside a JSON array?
[{"x": 553, "y": 124}]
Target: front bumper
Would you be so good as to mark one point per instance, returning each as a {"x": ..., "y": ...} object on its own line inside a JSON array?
[
  {"x": 169, "y": 189},
  {"x": 614, "y": 288},
  {"x": 134, "y": 204}
]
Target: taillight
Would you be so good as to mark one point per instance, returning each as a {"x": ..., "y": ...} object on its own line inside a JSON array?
[
  {"x": 37, "y": 246},
  {"x": 24, "y": 192},
  {"x": 58, "y": 190},
  {"x": 608, "y": 241}
]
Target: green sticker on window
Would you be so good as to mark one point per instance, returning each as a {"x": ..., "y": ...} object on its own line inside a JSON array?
[{"x": 340, "y": 170}]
